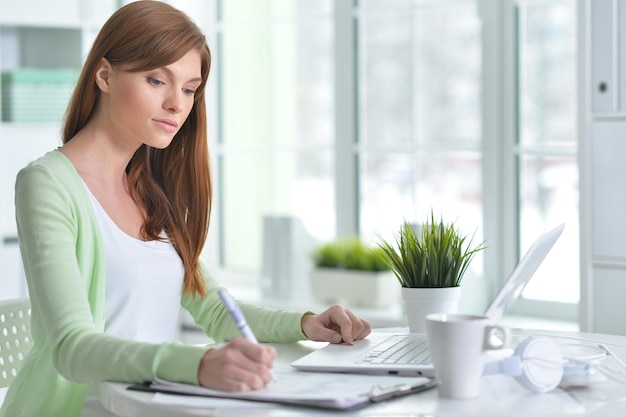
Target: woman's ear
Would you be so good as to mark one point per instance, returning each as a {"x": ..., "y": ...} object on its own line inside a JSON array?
[{"x": 103, "y": 74}]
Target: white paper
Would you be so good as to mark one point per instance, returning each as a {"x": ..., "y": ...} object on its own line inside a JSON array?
[
  {"x": 205, "y": 402},
  {"x": 328, "y": 390}
]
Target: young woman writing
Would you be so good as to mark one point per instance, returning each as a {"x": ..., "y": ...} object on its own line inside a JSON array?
[{"x": 111, "y": 226}]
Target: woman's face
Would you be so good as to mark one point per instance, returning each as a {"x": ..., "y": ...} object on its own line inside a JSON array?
[{"x": 149, "y": 107}]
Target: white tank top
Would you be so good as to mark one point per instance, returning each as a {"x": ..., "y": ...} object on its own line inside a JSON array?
[{"x": 144, "y": 282}]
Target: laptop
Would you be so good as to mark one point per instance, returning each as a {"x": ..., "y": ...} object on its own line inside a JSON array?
[{"x": 365, "y": 355}]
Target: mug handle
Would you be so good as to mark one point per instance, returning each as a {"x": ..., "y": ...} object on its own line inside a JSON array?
[{"x": 491, "y": 342}]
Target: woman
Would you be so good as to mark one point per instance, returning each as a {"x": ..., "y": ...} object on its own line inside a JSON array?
[{"x": 111, "y": 226}]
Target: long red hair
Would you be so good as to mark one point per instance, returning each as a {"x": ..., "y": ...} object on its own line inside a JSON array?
[{"x": 174, "y": 184}]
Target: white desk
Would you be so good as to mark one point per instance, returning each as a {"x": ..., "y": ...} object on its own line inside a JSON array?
[{"x": 500, "y": 395}]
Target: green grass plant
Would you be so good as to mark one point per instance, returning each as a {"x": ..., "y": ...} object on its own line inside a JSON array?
[
  {"x": 438, "y": 258},
  {"x": 350, "y": 253}
]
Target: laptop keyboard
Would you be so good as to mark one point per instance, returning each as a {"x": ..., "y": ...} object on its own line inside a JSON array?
[{"x": 409, "y": 349}]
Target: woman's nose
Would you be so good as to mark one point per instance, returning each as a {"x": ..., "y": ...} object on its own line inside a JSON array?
[{"x": 173, "y": 102}]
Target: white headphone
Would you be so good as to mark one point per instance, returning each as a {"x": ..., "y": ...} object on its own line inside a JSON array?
[{"x": 539, "y": 366}]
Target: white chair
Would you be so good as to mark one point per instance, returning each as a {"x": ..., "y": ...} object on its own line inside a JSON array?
[{"x": 15, "y": 337}]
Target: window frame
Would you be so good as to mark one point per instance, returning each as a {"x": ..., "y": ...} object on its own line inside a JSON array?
[
  {"x": 499, "y": 149},
  {"x": 505, "y": 16}
]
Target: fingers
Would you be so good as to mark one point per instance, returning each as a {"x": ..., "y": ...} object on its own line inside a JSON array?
[
  {"x": 360, "y": 328},
  {"x": 351, "y": 327},
  {"x": 335, "y": 325},
  {"x": 343, "y": 319},
  {"x": 323, "y": 334},
  {"x": 238, "y": 366}
]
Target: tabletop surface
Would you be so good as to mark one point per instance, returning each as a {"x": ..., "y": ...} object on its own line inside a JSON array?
[{"x": 499, "y": 394}]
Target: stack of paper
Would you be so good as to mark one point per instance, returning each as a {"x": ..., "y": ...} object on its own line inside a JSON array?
[{"x": 333, "y": 391}]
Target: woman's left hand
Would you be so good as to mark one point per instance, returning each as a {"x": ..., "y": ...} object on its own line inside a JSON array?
[{"x": 335, "y": 325}]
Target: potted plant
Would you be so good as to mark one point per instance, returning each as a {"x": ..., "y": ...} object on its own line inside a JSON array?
[
  {"x": 350, "y": 272},
  {"x": 429, "y": 266}
]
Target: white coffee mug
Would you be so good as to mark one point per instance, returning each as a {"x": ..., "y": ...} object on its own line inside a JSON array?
[{"x": 457, "y": 344}]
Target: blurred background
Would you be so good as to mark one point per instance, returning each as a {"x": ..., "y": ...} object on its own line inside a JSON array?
[{"x": 345, "y": 118}]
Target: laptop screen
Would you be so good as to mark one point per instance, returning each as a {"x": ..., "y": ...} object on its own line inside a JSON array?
[{"x": 521, "y": 275}]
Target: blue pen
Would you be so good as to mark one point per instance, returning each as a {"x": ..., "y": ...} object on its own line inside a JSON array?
[
  {"x": 238, "y": 318},
  {"x": 237, "y": 315}
]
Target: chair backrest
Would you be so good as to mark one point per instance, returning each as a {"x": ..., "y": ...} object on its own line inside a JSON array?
[{"x": 15, "y": 337}]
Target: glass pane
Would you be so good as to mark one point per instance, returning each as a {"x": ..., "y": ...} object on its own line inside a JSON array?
[
  {"x": 233, "y": 10},
  {"x": 548, "y": 136},
  {"x": 311, "y": 6},
  {"x": 389, "y": 4},
  {"x": 283, "y": 183},
  {"x": 313, "y": 88},
  {"x": 245, "y": 195},
  {"x": 421, "y": 75},
  {"x": 386, "y": 78},
  {"x": 448, "y": 75},
  {"x": 547, "y": 71},
  {"x": 278, "y": 80},
  {"x": 397, "y": 186},
  {"x": 312, "y": 197},
  {"x": 277, "y": 122},
  {"x": 387, "y": 194},
  {"x": 245, "y": 86},
  {"x": 549, "y": 197}
]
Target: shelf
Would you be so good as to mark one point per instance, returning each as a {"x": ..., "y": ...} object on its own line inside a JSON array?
[
  {"x": 37, "y": 39},
  {"x": 27, "y": 142},
  {"x": 40, "y": 47},
  {"x": 57, "y": 13}
]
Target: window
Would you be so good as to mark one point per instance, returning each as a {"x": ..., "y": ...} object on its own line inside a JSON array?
[
  {"x": 419, "y": 114},
  {"x": 547, "y": 140},
  {"x": 354, "y": 116},
  {"x": 275, "y": 151}
]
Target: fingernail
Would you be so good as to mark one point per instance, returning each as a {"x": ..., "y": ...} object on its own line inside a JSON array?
[{"x": 336, "y": 338}]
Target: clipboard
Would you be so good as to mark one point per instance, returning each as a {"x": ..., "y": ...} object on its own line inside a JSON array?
[{"x": 332, "y": 391}]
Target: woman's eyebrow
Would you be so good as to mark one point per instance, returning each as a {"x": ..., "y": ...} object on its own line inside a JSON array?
[{"x": 171, "y": 75}]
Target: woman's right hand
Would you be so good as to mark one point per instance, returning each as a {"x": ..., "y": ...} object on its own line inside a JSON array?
[{"x": 240, "y": 365}]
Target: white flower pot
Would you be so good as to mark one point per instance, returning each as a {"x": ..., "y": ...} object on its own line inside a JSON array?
[
  {"x": 418, "y": 302},
  {"x": 353, "y": 288}
]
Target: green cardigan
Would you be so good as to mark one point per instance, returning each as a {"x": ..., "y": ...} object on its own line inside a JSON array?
[{"x": 63, "y": 258}]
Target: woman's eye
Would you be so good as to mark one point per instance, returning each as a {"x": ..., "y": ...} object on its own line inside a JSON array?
[
  {"x": 154, "y": 81},
  {"x": 189, "y": 92}
]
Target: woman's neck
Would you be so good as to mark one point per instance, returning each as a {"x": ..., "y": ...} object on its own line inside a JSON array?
[{"x": 97, "y": 157}]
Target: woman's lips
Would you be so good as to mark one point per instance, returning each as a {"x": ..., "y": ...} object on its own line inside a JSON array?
[{"x": 168, "y": 125}]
